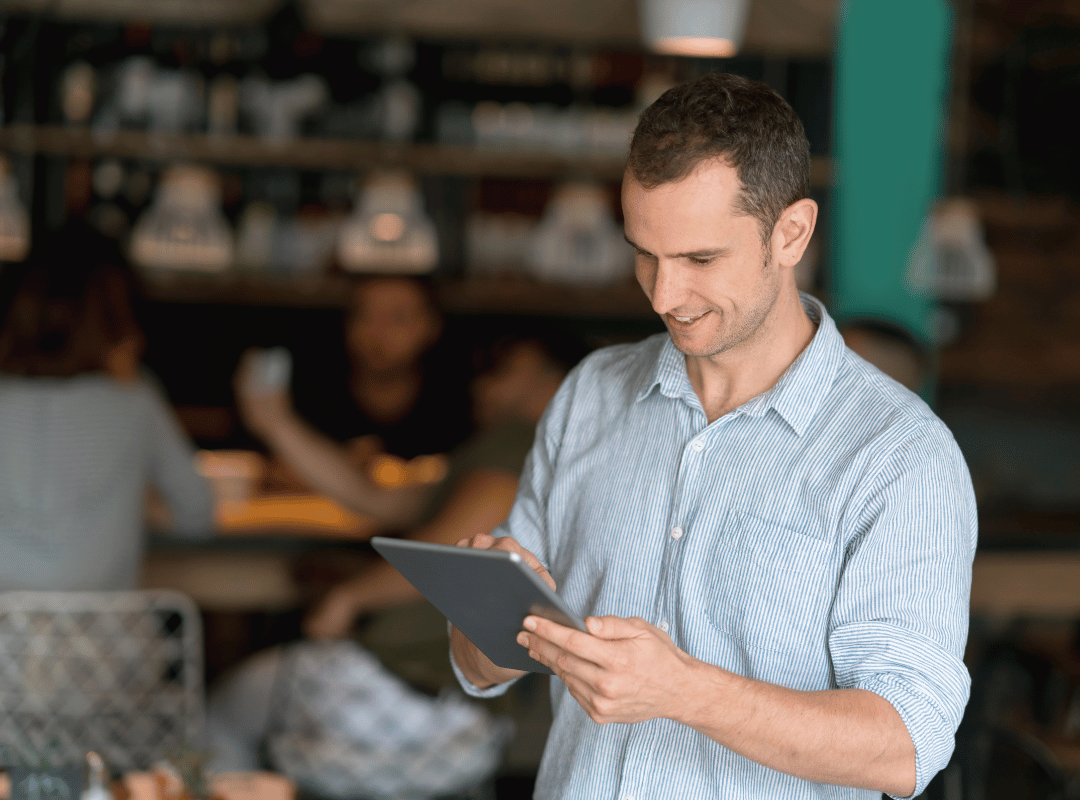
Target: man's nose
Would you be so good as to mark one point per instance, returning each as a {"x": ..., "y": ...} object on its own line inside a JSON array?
[{"x": 668, "y": 290}]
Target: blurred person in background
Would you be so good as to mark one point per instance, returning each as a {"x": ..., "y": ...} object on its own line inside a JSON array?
[
  {"x": 516, "y": 377},
  {"x": 403, "y": 393},
  {"x": 85, "y": 434}
]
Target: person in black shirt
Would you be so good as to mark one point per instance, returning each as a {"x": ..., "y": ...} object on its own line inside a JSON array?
[{"x": 403, "y": 389}]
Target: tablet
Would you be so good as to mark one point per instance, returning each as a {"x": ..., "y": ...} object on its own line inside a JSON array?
[{"x": 486, "y": 594}]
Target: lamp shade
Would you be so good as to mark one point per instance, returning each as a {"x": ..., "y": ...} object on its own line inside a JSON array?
[
  {"x": 184, "y": 228},
  {"x": 693, "y": 27},
  {"x": 389, "y": 231}
]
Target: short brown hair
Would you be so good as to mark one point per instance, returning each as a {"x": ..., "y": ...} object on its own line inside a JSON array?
[
  {"x": 745, "y": 123},
  {"x": 72, "y": 305}
]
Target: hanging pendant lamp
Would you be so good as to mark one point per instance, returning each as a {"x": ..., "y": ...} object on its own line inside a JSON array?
[{"x": 703, "y": 28}]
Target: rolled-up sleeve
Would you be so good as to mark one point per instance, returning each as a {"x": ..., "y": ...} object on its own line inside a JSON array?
[{"x": 900, "y": 621}]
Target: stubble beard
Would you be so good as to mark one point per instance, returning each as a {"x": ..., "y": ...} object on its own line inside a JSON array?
[{"x": 747, "y": 326}]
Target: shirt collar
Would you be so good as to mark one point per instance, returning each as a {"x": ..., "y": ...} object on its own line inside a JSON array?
[
  {"x": 796, "y": 397},
  {"x": 668, "y": 372}
]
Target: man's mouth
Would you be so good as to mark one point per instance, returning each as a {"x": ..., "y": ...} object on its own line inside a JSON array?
[{"x": 687, "y": 320}]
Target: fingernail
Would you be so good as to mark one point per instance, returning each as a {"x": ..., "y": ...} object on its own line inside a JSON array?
[
  {"x": 530, "y": 624},
  {"x": 523, "y": 640}
]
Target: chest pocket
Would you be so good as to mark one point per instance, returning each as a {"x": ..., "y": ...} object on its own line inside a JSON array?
[{"x": 771, "y": 586}]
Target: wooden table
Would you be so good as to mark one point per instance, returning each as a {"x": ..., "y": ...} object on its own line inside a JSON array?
[{"x": 247, "y": 564}]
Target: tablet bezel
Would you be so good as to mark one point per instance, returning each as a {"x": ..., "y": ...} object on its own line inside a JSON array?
[{"x": 486, "y": 594}]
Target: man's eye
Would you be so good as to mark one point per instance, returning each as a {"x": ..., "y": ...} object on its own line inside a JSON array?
[{"x": 701, "y": 262}]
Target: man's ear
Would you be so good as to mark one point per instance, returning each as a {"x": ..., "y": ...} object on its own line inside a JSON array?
[{"x": 793, "y": 230}]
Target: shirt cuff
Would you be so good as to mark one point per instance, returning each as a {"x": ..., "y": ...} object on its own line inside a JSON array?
[
  {"x": 925, "y": 724},
  {"x": 471, "y": 688}
]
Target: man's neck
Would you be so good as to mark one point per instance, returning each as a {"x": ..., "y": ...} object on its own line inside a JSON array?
[{"x": 726, "y": 380}]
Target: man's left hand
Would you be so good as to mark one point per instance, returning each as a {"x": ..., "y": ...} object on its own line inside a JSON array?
[{"x": 626, "y": 671}]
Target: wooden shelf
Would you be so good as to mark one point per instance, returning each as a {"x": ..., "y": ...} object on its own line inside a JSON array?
[
  {"x": 528, "y": 297},
  {"x": 313, "y": 154},
  {"x": 322, "y": 154},
  {"x": 517, "y": 296},
  {"x": 248, "y": 289}
]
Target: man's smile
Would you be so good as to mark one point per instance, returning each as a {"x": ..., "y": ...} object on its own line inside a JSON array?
[{"x": 686, "y": 321}]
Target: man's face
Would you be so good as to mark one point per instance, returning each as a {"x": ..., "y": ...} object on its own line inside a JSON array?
[{"x": 702, "y": 265}]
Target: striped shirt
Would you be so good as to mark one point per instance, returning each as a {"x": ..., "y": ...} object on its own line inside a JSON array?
[
  {"x": 76, "y": 457},
  {"x": 818, "y": 536}
]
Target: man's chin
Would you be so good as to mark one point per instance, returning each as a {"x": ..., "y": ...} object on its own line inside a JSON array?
[
  {"x": 696, "y": 346},
  {"x": 688, "y": 343}
]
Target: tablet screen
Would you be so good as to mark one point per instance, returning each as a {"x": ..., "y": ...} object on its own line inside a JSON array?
[{"x": 486, "y": 594}]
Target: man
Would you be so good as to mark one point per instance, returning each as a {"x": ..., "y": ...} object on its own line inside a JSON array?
[{"x": 771, "y": 541}]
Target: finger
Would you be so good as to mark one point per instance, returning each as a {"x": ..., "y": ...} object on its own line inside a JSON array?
[
  {"x": 483, "y": 541},
  {"x": 479, "y": 542},
  {"x": 565, "y": 664},
  {"x": 612, "y": 627},
  {"x": 511, "y": 546},
  {"x": 569, "y": 640},
  {"x": 581, "y": 678}
]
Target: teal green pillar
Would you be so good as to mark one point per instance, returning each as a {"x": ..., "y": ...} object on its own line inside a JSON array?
[{"x": 891, "y": 86}]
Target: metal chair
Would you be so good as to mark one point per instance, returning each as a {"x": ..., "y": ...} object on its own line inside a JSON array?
[{"x": 119, "y": 673}]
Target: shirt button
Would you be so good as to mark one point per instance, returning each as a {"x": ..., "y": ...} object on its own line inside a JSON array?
[
  {"x": 628, "y": 797},
  {"x": 676, "y": 533},
  {"x": 663, "y": 626},
  {"x": 698, "y": 445}
]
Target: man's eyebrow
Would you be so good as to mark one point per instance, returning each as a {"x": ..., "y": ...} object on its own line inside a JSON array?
[
  {"x": 699, "y": 254},
  {"x": 710, "y": 253}
]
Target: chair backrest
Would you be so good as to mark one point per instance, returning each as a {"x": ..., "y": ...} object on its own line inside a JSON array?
[{"x": 119, "y": 673}]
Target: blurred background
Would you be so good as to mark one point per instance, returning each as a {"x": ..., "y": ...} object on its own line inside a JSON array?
[{"x": 258, "y": 162}]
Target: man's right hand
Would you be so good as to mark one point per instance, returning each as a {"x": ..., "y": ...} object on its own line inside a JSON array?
[{"x": 478, "y": 668}]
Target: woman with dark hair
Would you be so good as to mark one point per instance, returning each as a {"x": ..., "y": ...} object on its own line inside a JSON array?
[{"x": 84, "y": 434}]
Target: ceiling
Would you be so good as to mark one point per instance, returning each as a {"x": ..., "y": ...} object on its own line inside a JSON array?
[
  {"x": 781, "y": 27},
  {"x": 791, "y": 26}
]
